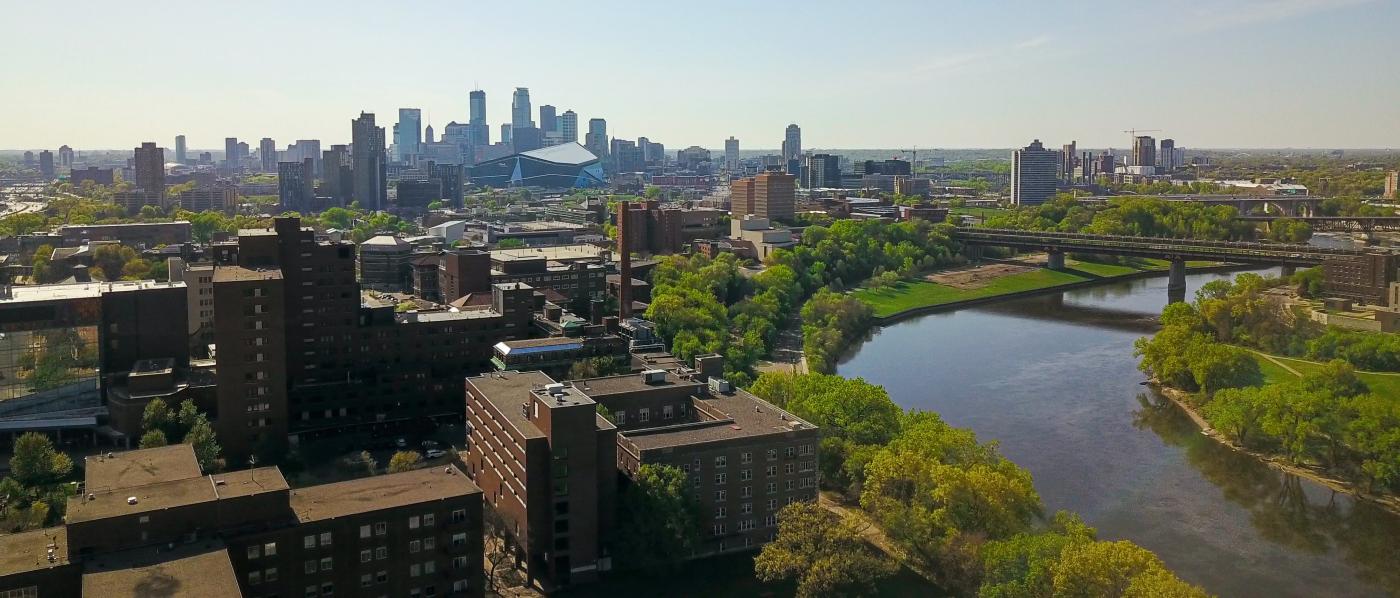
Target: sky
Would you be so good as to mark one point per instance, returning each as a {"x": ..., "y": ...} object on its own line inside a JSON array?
[{"x": 870, "y": 74}]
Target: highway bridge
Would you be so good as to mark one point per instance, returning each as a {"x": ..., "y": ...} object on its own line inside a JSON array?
[
  {"x": 1177, "y": 251},
  {"x": 1277, "y": 205}
]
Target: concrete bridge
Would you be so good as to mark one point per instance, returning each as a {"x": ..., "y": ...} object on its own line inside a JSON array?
[
  {"x": 1277, "y": 205},
  {"x": 1176, "y": 251},
  {"x": 1354, "y": 224}
]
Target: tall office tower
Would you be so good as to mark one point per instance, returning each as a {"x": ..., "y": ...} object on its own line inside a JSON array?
[
  {"x": 65, "y": 157},
  {"x": 1167, "y": 157},
  {"x": 1144, "y": 151},
  {"x": 1033, "y": 174},
  {"x": 792, "y": 143},
  {"x": 506, "y": 130},
  {"x": 242, "y": 151},
  {"x": 1067, "y": 162},
  {"x": 428, "y": 134},
  {"x": 150, "y": 169},
  {"x": 568, "y": 126},
  {"x": 180, "y": 149},
  {"x": 774, "y": 195},
  {"x": 371, "y": 187},
  {"x": 267, "y": 154},
  {"x": 520, "y": 109},
  {"x": 28, "y": 158},
  {"x": 1107, "y": 164},
  {"x": 337, "y": 177},
  {"x": 296, "y": 185},
  {"x": 46, "y": 168},
  {"x": 408, "y": 134},
  {"x": 731, "y": 154},
  {"x": 822, "y": 171},
  {"x": 548, "y": 121},
  {"x": 480, "y": 133},
  {"x": 309, "y": 148},
  {"x": 231, "y": 154},
  {"x": 596, "y": 140},
  {"x": 648, "y": 154}
]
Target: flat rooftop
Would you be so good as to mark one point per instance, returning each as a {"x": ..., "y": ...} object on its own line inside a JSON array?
[
  {"x": 174, "y": 494},
  {"x": 507, "y": 391},
  {"x": 445, "y": 316},
  {"x": 558, "y": 253},
  {"x": 29, "y": 551},
  {"x": 129, "y": 469},
  {"x": 82, "y": 290},
  {"x": 328, "y": 501},
  {"x": 630, "y": 383},
  {"x": 202, "y": 569},
  {"x": 234, "y": 273},
  {"x": 741, "y": 415}
]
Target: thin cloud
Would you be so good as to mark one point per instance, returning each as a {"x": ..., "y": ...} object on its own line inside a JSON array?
[
  {"x": 1225, "y": 15},
  {"x": 953, "y": 62},
  {"x": 1034, "y": 42}
]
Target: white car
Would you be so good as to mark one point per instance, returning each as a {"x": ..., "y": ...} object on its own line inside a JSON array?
[{"x": 435, "y": 453}]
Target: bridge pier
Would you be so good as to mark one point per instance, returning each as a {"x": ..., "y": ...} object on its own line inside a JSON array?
[
  {"x": 1055, "y": 260},
  {"x": 973, "y": 253},
  {"x": 1176, "y": 281},
  {"x": 1288, "y": 271}
]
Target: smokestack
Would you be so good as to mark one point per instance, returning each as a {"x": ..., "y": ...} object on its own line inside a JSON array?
[{"x": 624, "y": 270}]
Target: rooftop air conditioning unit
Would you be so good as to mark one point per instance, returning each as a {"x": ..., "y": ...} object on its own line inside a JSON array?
[
  {"x": 720, "y": 385},
  {"x": 554, "y": 389},
  {"x": 654, "y": 376}
]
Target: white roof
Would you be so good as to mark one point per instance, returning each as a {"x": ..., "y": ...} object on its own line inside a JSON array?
[{"x": 564, "y": 153}]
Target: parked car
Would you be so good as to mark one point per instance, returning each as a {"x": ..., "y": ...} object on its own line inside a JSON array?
[
  {"x": 430, "y": 444},
  {"x": 435, "y": 453},
  {"x": 401, "y": 443}
]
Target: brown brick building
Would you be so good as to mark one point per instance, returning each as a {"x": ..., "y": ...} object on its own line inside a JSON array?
[
  {"x": 150, "y": 523},
  {"x": 529, "y": 437}
]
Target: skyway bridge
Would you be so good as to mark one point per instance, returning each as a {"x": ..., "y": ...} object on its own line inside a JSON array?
[
  {"x": 1176, "y": 251},
  {"x": 1361, "y": 224}
]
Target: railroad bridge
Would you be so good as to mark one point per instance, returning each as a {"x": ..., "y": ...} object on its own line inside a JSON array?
[{"x": 1178, "y": 251}]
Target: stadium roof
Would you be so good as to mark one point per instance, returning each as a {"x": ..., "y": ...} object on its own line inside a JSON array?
[{"x": 564, "y": 153}]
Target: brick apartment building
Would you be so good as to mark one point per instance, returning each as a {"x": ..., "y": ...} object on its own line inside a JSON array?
[
  {"x": 663, "y": 230},
  {"x": 770, "y": 195},
  {"x": 462, "y": 272},
  {"x": 347, "y": 367},
  {"x": 150, "y": 523},
  {"x": 551, "y": 466}
]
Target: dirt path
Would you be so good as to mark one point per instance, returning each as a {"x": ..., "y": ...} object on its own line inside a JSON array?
[
  {"x": 1277, "y": 362},
  {"x": 787, "y": 349},
  {"x": 872, "y": 532}
]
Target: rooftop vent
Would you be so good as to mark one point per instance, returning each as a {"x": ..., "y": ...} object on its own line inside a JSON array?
[
  {"x": 131, "y": 500},
  {"x": 219, "y": 482}
]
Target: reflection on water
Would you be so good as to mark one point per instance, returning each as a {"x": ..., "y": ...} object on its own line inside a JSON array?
[{"x": 1053, "y": 380}]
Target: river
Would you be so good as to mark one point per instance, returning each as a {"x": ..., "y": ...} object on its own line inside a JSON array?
[{"x": 1053, "y": 380}]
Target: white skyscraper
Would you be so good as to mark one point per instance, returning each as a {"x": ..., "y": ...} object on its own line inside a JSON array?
[
  {"x": 731, "y": 154},
  {"x": 792, "y": 143}
]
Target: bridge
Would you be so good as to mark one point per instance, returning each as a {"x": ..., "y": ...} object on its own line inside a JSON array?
[
  {"x": 1284, "y": 205},
  {"x": 1358, "y": 224},
  {"x": 1176, "y": 251}
]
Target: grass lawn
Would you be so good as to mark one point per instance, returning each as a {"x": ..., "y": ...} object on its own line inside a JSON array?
[
  {"x": 921, "y": 293},
  {"x": 1379, "y": 383},
  {"x": 1104, "y": 270}
]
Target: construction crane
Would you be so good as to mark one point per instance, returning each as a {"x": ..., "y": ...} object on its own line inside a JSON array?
[
  {"x": 1132, "y": 134},
  {"x": 913, "y": 160}
]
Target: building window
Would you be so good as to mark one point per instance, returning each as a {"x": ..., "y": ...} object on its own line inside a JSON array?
[
  {"x": 770, "y": 521},
  {"x": 459, "y": 515},
  {"x": 366, "y": 555},
  {"x": 429, "y": 520},
  {"x": 789, "y": 452},
  {"x": 325, "y": 538},
  {"x": 308, "y": 567},
  {"x": 772, "y": 470},
  {"x": 721, "y": 478},
  {"x": 413, "y": 522},
  {"x": 746, "y": 458},
  {"x": 644, "y": 415},
  {"x": 772, "y": 488},
  {"x": 718, "y": 529},
  {"x": 772, "y": 504},
  {"x": 788, "y": 468},
  {"x": 720, "y": 495},
  {"x": 745, "y": 475},
  {"x": 620, "y": 417},
  {"x": 254, "y": 552},
  {"x": 459, "y": 562},
  {"x": 270, "y": 574},
  {"x": 721, "y": 512},
  {"x": 381, "y": 577},
  {"x": 430, "y": 567},
  {"x": 328, "y": 589},
  {"x": 746, "y": 491},
  {"x": 721, "y": 461},
  {"x": 772, "y": 454},
  {"x": 381, "y": 528},
  {"x": 791, "y": 485},
  {"x": 414, "y": 546},
  {"x": 366, "y": 580},
  {"x": 326, "y": 563},
  {"x": 308, "y": 542},
  {"x": 270, "y": 549},
  {"x": 667, "y": 412},
  {"x": 415, "y": 570},
  {"x": 428, "y": 543},
  {"x": 254, "y": 577},
  {"x": 746, "y": 508},
  {"x": 310, "y": 592},
  {"x": 381, "y": 553},
  {"x": 459, "y": 540}
]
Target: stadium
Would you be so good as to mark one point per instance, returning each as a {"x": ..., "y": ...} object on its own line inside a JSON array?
[{"x": 568, "y": 165}]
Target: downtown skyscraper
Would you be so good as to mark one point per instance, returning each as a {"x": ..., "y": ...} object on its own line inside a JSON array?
[
  {"x": 548, "y": 121},
  {"x": 520, "y": 109},
  {"x": 596, "y": 140},
  {"x": 568, "y": 126},
  {"x": 1033, "y": 171},
  {"x": 478, "y": 132},
  {"x": 267, "y": 154},
  {"x": 180, "y": 149},
  {"x": 731, "y": 154},
  {"x": 408, "y": 134},
  {"x": 792, "y": 143},
  {"x": 368, "y": 163}
]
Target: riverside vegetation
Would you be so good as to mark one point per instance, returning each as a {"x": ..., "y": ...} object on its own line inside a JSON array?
[{"x": 1333, "y": 417}]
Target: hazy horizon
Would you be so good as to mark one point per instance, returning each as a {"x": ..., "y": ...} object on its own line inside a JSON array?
[{"x": 1236, "y": 74}]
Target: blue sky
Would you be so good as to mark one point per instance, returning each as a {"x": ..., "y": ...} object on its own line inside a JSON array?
[{"x": 1216, "y": 73}]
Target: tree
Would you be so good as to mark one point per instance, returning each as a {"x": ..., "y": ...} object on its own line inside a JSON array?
[
  {"x": 825, "y": 554},
  {"x": 371, "y": 466},
  {"x": 1309, "y": 282},
  {"x": 662, "y": 515},
  {"x": 36, "y": 463},
  {"x": 509, "y": 243},
  {"x": 152, "y": 439},
  {"x": 594, "y": 367},
  {"x": 1024, "y": 564},
  {"x": 1115, "y": 569},
  {"x": 42, "y": 271},
  {"x": 405, "y": 461},
  {"x": 201, "y": 438}
]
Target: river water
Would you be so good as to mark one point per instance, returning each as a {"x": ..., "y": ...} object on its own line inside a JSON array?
[{"x": 1053, "y": 380}]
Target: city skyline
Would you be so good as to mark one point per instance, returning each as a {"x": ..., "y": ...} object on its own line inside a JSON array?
[{"x": 1211, "y": 71}]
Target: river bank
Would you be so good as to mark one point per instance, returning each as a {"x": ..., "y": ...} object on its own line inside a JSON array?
[
  {"x": 926, "y": 296},
  {"x": 1179, "y": 397}
]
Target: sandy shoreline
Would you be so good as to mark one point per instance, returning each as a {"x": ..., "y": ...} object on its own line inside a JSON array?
[{"x": 1387, "y": 502}]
